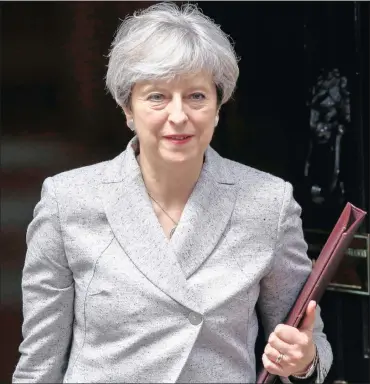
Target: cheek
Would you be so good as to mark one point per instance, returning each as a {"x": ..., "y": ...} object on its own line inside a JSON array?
[
  {"x": 206, "y": 125},
  {"x": 208, "y": 134},
  {"x": 150, "y": 122},
  {"x": 205, "y": 134}
]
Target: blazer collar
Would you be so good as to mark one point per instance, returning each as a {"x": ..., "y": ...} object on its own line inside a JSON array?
[
  {"x": 126, "y": 166},
  {"x": 168, "y": 264}
]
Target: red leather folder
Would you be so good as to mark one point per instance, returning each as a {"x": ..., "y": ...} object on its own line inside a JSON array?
[{"x": 322, "y": 273}]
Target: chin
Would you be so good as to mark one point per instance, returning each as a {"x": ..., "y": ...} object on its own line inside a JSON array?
[{"x": 180, "y": 158}]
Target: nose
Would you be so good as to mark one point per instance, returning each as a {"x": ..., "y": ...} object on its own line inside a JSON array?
[{"x": 176, "y": 112}]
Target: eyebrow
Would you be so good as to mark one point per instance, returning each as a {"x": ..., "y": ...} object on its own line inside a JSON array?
[
  {"x": 192, "y": 87},
  {"x": 150, "y": 87}
]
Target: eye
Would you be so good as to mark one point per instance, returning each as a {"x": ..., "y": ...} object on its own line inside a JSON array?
[
  {"x": 156, "y": 97},
  {"x": 197, "y": 96}
]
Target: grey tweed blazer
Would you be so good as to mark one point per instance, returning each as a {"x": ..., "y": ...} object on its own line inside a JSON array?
[{"x": 108, "y": 299}]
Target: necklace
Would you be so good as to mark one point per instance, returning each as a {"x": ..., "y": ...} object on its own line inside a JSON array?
[{"x": 174, "y": 228}]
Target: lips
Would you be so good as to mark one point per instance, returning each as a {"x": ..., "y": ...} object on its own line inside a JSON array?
[{"x": 177, "y": 137}]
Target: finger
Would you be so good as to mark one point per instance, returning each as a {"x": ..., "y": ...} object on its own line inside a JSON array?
[
  {"x": 280, "y": 345},
  {"x": 273, "y": 354},
  {"x": 288, "y": 334},
  {"x": 308, "y": 322},
  {"x": 271, "y": 367}
]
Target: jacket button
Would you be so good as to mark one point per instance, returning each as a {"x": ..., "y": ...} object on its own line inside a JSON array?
[{"x": 195, "y": 318}]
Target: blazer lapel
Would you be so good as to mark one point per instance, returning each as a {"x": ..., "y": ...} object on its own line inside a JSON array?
[
  {"x": 133, "y": 221},
  {"x": 206, "y": 214}
]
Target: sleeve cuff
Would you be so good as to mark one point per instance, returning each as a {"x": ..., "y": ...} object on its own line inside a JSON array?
[
  {"x": 310, "y": 375},
  {"x": 311, "y": 370}
]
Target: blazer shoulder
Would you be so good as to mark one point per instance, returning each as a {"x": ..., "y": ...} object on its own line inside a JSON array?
[
  {"x": 89, "y": 175},
  {"x": 86, "y": 175},
  {"x": 83, "y": 182},
  {"x": 247, "y": 177},
  {"x": 260, "y": 194}
]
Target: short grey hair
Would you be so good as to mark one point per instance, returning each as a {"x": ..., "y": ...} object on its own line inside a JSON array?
[{"x": 164, "y": 41}]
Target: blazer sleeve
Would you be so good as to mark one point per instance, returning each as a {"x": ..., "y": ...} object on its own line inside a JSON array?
[
  {"x": 48, "y": 297},
  {"x": 290, "y": 270}
]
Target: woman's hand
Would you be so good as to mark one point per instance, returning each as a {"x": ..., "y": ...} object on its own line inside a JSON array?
[{"x": 291, "y": 351}]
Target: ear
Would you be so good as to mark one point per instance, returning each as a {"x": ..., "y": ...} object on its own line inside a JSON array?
[
  {"x": 217, "y": 117},
  {"x": 216, "y": 120},
  {"x": 128, "y": 113}
]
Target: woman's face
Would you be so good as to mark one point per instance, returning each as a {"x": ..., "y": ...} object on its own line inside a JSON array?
[{"x": 174, "y": 119}]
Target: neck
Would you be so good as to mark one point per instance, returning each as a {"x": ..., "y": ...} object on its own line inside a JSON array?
[{"x": 170, "y": 184}]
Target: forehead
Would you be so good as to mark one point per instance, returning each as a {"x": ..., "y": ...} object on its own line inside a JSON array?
[{"x": 200, "y": 79}]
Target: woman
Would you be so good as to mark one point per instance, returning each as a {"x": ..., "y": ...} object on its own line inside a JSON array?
[{"x": 149, "y": 267}]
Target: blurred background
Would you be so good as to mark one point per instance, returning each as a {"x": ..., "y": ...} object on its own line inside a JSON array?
[{"x": 56, "y": 115}]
